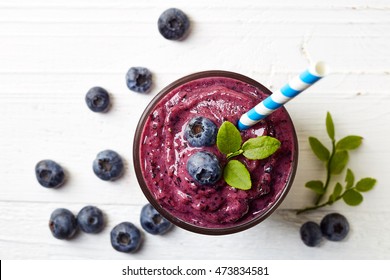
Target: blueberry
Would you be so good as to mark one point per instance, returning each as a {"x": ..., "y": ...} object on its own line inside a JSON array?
[
  {"x": 139, "y": 79},
  {"x": 62, "y": 223},
  {"x": 126, "y": 237},
  {"x": 334, "y": 227},
  {"x": 173, "y": 24},
  {"x": 49, "y": 173},
  {"x": 311, "y": 234},
  {"x": 108, "y": 165},
  {"x": 200, "y": 131},
  {"x": 204, "y": 168},
  {"x": 153, "y": 222},
  {"x": 97, "y": 99},
  {"x": 90, "y": 219}
]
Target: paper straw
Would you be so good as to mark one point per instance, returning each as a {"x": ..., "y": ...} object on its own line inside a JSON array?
[{"x": 280, "y": 97}]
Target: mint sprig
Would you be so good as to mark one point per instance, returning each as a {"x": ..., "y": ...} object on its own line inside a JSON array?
[
  {"x": 229, "y": 142},
  {"x": 336, "y": 161}
]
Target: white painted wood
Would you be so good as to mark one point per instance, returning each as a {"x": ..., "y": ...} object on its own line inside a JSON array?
[{"x": 52, "y": 52}]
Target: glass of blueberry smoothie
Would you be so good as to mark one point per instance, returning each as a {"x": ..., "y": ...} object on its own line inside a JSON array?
[{"x": 180, "y": 167}]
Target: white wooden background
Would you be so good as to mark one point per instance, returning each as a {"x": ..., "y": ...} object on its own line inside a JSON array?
[{"x": 52, "y": 52}]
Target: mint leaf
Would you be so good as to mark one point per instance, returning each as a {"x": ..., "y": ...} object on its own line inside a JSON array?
[
  {"x": 352, "y": 197},
  {"x": 330, "y": 126},
  {"x": 319, "y": 149},
  {"x": 365, "y": 184},
  {"x": 338, "y": 162},
  {"x": 230, "y": 155},
  {"x": 260, "y": 147},
  {"x": 338, "y": 188},
  {"x": 228, "y": 138},
  {"x": 237, "y": 175},
  {"x": 350, "y": 142},
  {"x": 316, "y": 186},
  {"x": 349, "y": 179}
]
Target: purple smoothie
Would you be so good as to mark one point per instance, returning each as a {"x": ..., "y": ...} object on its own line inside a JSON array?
[{"x": 163, "y": 154}]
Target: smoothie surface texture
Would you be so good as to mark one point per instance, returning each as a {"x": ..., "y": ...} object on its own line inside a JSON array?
[{"x": 164, "y": 152}]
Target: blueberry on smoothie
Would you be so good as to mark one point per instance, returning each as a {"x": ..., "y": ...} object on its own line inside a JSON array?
[
  {"x": 90, "y": 219},
  {"x": 311, "y": 234},
  {"x": 49, "y": 174},
  {"x": 153, "y": 222},
  {"x": 204, "y": 168},
  {"x": 334, "y": 227},
  {"x": 62, "y": 223},
  {"x": 108, "y": 165},
  {"x": 126, "y": 237},
  {"x": 139, "y": 79},
  {"x": 173, "y": 24},
  {"x": 200, "y": 131},
  {"x": 97, "y": 99}
]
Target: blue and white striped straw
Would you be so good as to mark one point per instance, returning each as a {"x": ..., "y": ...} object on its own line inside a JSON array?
[{"x": 280, "y": 97}]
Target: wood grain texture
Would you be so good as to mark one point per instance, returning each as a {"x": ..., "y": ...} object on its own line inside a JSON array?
[{"x": 52, "y": 52}]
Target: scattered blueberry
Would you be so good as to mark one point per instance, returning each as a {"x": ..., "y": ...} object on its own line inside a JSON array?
[
  {"x": 97, "y": 99},
  {"x": 139, "y": 79},
  {"x": 62, "y": 223},
  {"x": 90, "y": 219},
  {"x": 49, "y": 173},
  {"x": 125, "y": 237},
  {"x": 334, "y": 227},
  {"x": 204, "y": 168},
  {"x": 108, "y": 165},
  {"x": 173, "y": 24},
  {"x": 311, "y": 234},
  {"x": 153, "y": 222},
  {"x": 200, "y": 131}
]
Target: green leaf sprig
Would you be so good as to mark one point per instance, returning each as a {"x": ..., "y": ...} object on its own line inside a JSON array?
[
  {"x": 229, "y": 142},
  {"x": 336, "y": 161}
]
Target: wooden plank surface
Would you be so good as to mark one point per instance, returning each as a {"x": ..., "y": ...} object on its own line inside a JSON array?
[{"x": 52, "y": 52}]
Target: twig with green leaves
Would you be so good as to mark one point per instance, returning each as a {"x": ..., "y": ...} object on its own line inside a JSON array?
[{"x": 336, "y": 161}]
